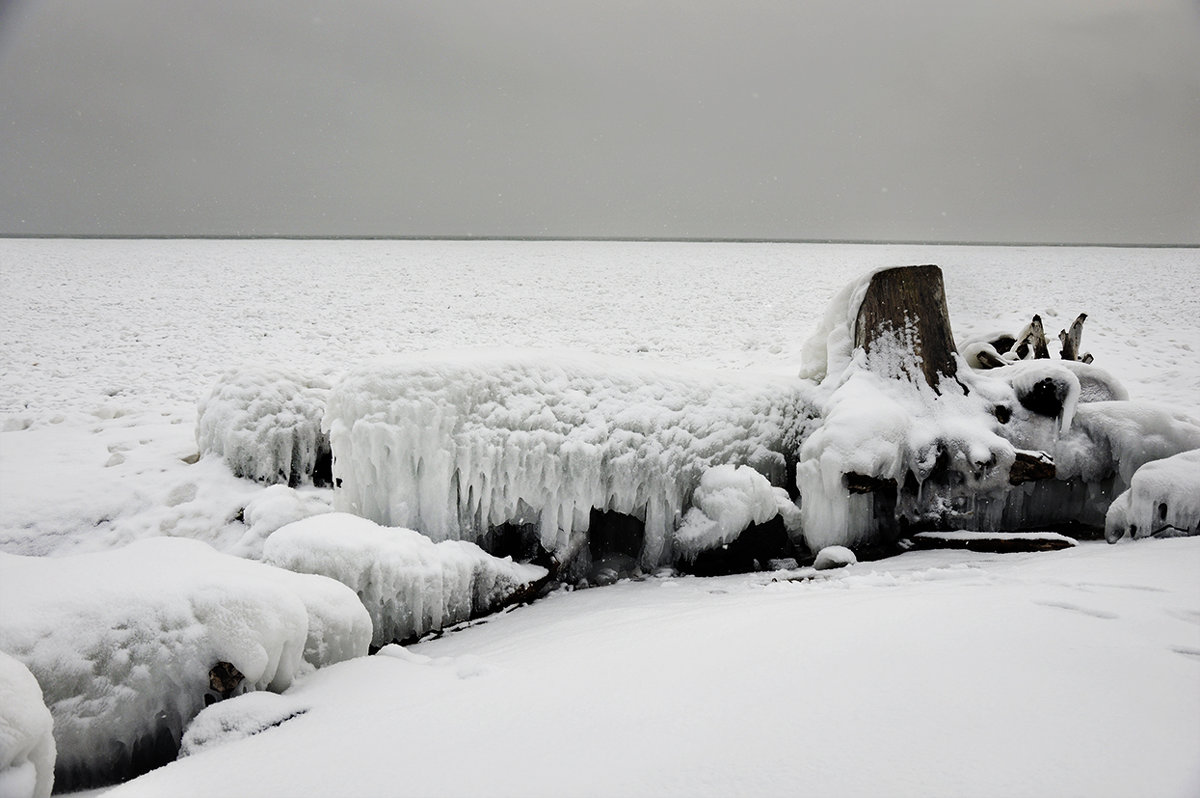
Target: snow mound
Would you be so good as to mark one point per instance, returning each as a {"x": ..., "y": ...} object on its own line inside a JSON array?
[
  {"x": 122, "y": 642},
  {"x": 272, "y": 508},
  {"x": 455, "y": 445},
  {"x": 238, "y": 718},
  {"x": 1163, "y": 500},
  {"x": 409, "y": 584},
  {"x": 728, "y": 500},
  {"x": 266, "y": 423},
  {"x": 834, "y": 557},
  {"x": 26, "y": 738}
]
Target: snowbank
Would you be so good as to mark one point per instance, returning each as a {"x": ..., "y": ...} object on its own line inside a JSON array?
[
  {"x": 266, "y": 423},
  {"x": 26, "y": 738},
  {"x": 409, "y": 584},
  {"x": 1163, "y": 499},
  {"x": 122, "y": 642},
  {"x": 455, "y": 445},
  {"x": 275, "y": 507}
]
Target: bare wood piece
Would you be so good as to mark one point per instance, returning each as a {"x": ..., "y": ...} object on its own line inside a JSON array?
[
  {"x": 907, "y": 306},
  {"x": 861, "y": 483},
  {"x": 1033, "y": 339},
  {"x": 1070, "y": 340},
  {"x": 993, "y": 544},
  {"x": 1030, "y": 467}
]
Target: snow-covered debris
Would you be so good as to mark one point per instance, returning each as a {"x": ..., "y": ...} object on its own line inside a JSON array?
[
  {"x": 409, "y": 584},
  {"x": 272, "y": 508},
  {"x": 728, "y": 500},
  {"x": 455, "y": 445},
  {"x": 122, "y": 641},
  {"x": 26, "y": 738},
  {"x": 239, "y": 717},
  {"x": 834, "y": 557},
  {"x": 266, "y": 423},
  {"x": 1163, "y": 500}
]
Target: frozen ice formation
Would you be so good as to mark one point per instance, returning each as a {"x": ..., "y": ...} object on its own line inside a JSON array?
[
  {"x": 122, "y": 642},
  {"x": 409, "y": 584},
  {"x": 26, "y": 734},
  {"x": 728, "y": 500},
  {"x": 1163, "y": 500},
  {"x": 266, "y": 423},
  {"x": 275, "y": 507},
  {"x": 457, "y": 445}
]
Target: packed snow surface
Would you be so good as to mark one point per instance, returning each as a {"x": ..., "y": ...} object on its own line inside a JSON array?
[
  {"x": 934, "y": 673},
  {"x": 409, "y": 584},
  {"x": 26, "y": 734},
  {"x": 122, "y": 641}
]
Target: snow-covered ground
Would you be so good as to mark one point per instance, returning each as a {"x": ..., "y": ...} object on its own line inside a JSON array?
[{"x": 936, "y": 673}]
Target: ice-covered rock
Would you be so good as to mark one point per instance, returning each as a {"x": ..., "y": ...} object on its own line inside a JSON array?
[
  {"x": 1163, "y": 500},
  {"x": 266, "y": 423},
  {"x": 834, "y": 557},
  {"x": 409, "y": 584},
  {"x": 728, "y": 500},
  {"x": 456, "y": 445},
  {"x": 238, "y": 718},
  {"x": 272, "y": 508},
  {"x": 122, "y": 641},
  {"x": 26, "y": 734}
]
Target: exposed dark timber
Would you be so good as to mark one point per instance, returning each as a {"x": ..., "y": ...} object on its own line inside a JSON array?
[
  {"x": 911, "y": 299},
  {"x": 1030, "y": 467},
  {"x": 860, "y": 483},
  {"x": 993, "y": 545}
]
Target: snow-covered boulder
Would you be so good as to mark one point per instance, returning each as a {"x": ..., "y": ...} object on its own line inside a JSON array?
[
  {"x": 409, "y": 584},
  {"x": 122, "y": 642},
  {"x": 266, "y": 423},
  {"x": 457, "y": 445},
  {"x": 728, "y": 500},
  {"x": 272, "y": 508},
  {"x": 1163, "y": 499},
  {"x": 832, "y": 557},
  {"x": 26, "y": 734}
]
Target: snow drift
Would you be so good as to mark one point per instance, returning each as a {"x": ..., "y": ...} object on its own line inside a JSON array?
[
  {"x": 457, "y": 445},
  {"x": 26, "y": 739},
  {"x": 122, "y": 642},
  {"x": 1163, "y": 500},
  {"x": 409, "y": 584}
]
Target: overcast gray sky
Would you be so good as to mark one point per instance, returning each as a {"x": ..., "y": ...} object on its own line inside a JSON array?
[{"x": 969, "y": 120}]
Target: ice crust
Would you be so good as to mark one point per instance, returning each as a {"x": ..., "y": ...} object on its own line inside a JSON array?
[
  {"x": 454, "y": 445},
  {"x": 26, "y": 734},
  {"x": 122, "y": 641},
  {"x": 1163, "y": 499},
  {"x": 409, "y": 584},
  {"x": 266, "y": 423}
]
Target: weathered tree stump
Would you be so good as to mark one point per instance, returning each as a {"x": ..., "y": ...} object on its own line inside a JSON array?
[{"x": 904, "y": 325}]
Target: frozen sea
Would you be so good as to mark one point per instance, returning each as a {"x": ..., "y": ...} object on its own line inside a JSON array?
[{"x": 934, "y": 673}]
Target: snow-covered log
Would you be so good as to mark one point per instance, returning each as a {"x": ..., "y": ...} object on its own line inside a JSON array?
[
  {"x": 457, "y": 446},
  {"x": 1163, "y": 500},
  {"x": 26, "y": 734},
  {"x": 122, "y": 642},
  {"x": 409, "y": 584},
  {"x": 266, "y": 423}
]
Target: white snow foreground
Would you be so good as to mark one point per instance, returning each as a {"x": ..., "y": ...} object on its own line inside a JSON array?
[
  {"x": 409, "y": 584},
  {"x": 1163, "y": 500},
  {"x": 456, "y": 445},
  {"x": 266, "y": 423},
  {"x": 122, "y": 642},
  {"x": 26, "y": 734}
]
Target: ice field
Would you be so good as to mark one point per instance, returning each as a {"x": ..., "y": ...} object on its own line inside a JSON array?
[{"x": 932, "y": 673}]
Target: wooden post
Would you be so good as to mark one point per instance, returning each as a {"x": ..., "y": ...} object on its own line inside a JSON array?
[{"x": 904, "y": 311}]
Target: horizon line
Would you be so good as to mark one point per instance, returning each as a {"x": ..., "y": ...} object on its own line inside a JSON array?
[{"x": 598, "y": 239}]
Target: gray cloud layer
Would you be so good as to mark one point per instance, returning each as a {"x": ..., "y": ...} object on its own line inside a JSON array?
[{"x": 1027, "y": 120}]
